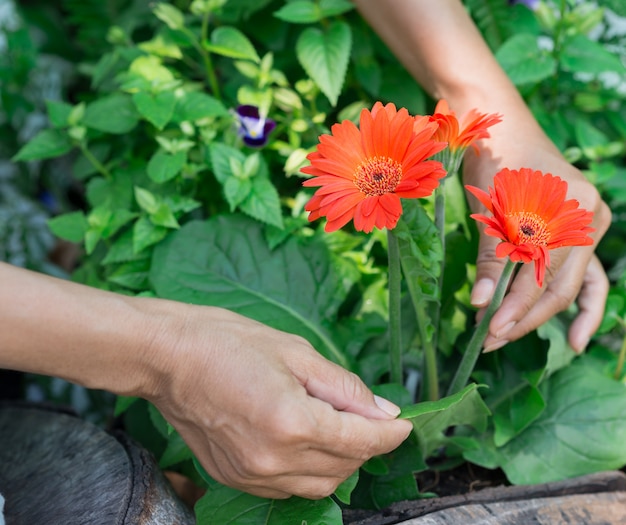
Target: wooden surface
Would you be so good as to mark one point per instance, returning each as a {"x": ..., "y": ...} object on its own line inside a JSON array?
[
  {"x": 596, "y": 499},
  {"x": 586, "y": 509},
  {"x": 56, "y": 469}
]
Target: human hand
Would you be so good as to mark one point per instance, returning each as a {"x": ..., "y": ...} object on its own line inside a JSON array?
[
  {"x": 262, "y": 411},
  {"x": 575, "y": 274}
]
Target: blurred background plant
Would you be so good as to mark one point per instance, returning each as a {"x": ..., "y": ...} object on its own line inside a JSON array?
[{"x": 159, "y": 147}]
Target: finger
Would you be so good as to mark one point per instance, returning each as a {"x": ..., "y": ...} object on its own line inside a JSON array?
[
  {"x": 591, "y": 303},
  {"x": 527, "y": 307},
  {"x": 342, "y": 389}
]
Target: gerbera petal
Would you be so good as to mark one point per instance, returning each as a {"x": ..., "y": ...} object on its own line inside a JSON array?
[
  {"x": 531, "y": 217},
  {"x": 361, "y": 173}
]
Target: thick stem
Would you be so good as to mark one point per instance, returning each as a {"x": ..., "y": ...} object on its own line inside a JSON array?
[
  {"x": 395, "y": 342},
  {"x": 466, "y": 367}
]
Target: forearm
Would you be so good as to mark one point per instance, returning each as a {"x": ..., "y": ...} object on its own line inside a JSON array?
[
  {"x": 438, "y": 43},
  {"x": 87, "y": 336}
]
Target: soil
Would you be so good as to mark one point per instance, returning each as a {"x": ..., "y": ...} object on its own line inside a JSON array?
[{"x": 463, "y": 479}]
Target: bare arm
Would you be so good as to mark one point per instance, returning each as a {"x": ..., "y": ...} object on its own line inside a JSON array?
[
  {"x": 260, "y": 408},
  {"x": 441, "y": 47}
]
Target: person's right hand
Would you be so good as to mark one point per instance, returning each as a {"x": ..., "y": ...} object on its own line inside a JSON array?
[{"x": 262, "y": 410}]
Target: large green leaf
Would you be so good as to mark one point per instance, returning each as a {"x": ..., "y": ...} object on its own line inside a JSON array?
[
  {"x": 228, "y": 506},
  {"x": 582, "y": 430},
  {"x": 194, "y": 105},
  {"x": 226, "y": 262},
  {"x": 324, "y": 56},
  {"x": 523, "y": 61},
  {"x": 432, "y": 418}
]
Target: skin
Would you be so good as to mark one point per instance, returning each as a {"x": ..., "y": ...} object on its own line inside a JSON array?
[
  {"x": 458, "y": 66},
  {"x": 260, "y": 408}
]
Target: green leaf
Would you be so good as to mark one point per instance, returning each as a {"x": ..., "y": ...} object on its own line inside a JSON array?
[
  {"x": 132, "y": 275},
  {"x": 163, "y": 216},
  {"x": 113, "y": 114},
  {"x": 58, "y": 113},
  {"x": 432, "y": 418},
  {"x": 221, "y": 157},
  {"x": 230, "y": 42},
  {"x": 523, "y": 61},
  {"x": 69, "y": 226},
  {"x": 195, "y": 106},
  {"x": 122, "y": 250},
  {"x": 122, "y": 403},
  {"x": 305, "y": 12},
  {"x": 169, "y": 14},
  {"x": 344, "y": 490},
  {"x": 299, "y": 12},
  {"x": 175, "y": 452},
  {"x": 157, "y": 419},
  {"x": 335, "y": 7},
  {"x": 48, "y": 143},
  {"x": 146, "y": 200},
  {"x": 145, "y": 234},
  {"x": 236, "y": 190},
  {"x": 225, "y": 262},
  {"x": 228, "y": 506},
  {"x": 263, "y": 202},
  {"x": 324, "y": 56},
  {"x": 164, "y": 166},
  {"x": 582, "y": 55},
  {"x": 582, "y": 429},
  {"x": 515, "y": 414},
  {"x": 156, "y": 108}
]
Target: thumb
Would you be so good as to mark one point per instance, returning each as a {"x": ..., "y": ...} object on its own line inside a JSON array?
[
  {"x": 488, "y": 270},
  {"x": 342, "y": 389}
]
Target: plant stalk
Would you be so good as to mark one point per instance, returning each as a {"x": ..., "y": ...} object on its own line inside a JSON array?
[
  {"x": 622, "y": 355},
  {"x": 472, "y": 352},
  {"x": 395, "y": 341}
]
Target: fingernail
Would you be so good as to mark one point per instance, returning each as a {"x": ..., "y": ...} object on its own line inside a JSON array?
[
  {"x": 482, "y": 292},
  {"x": 387, "y": 406},
  {"x": 494, "y": 346},
  {"x": 505, "y": 329}
]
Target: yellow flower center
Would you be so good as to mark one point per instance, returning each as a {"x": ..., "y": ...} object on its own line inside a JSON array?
[
  {"x": 531, "y": 228},
  {"x": 378, "y": 175}
]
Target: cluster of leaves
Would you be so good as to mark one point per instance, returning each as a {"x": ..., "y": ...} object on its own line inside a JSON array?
[{"x": 176, "y": 206}]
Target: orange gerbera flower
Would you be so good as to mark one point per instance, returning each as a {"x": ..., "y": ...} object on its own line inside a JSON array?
[
  {"x": 532, "y": 216},
  {"x": 363, "y": 173},
  {"x": 461, "y": 135}
]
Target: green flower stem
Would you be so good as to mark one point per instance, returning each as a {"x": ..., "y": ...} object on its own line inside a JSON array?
[
  {"x": 206, "y": 57},
  {"x": 474, "y": 347},
  {"x": 622, "y": 354},
  {"x": 440, "y": 223},
  {"x": 395, "y": 342},
  {"x": 430, "y": 357}
]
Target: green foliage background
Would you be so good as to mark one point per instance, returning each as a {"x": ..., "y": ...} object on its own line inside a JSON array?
[{"x": 118, "y": 125}]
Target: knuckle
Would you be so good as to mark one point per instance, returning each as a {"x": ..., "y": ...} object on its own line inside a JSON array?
[{"x": 260, "y": 466}]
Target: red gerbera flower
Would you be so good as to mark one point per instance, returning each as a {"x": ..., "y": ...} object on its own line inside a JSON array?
[
  {"x": 532, "y": 216},
  {"x": 363, "y": 173},
  {"x": 461, "y": 135}
]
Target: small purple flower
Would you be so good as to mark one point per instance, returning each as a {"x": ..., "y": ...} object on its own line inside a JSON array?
[
  {"x": 531, "y": 4},
  {"x": 253, "y": 128}
]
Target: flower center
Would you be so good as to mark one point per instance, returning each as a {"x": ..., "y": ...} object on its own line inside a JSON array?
[
  {"x": 378, "y": 175},
  {"x": 531, "y": 228}
]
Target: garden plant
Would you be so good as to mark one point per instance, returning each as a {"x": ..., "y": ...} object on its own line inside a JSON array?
[{"x": 273, "y": 158}]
